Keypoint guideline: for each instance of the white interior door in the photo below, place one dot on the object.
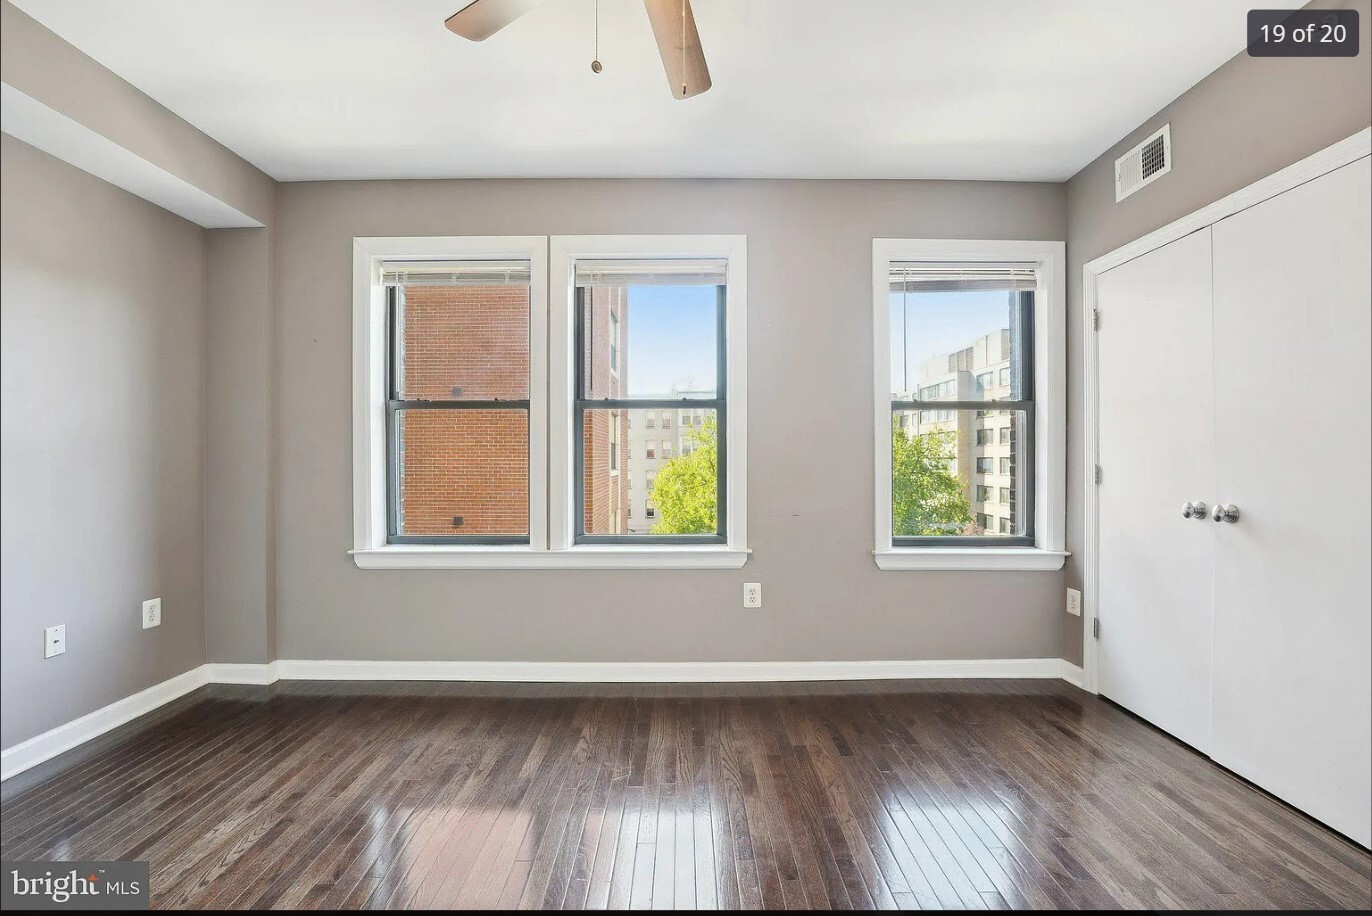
(1156, 453)
(1293, 616)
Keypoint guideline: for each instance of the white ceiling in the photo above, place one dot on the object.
(331, 89)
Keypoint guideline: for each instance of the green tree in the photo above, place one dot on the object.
(926, 499)
(686, 488)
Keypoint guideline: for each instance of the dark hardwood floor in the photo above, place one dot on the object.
(938, 794)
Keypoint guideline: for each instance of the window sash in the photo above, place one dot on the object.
(581, 404)
(395, 404)
(1024, 482)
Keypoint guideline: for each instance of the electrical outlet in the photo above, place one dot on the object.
(752, 594)
(152, 613)
(1074, 602)
(54, 640)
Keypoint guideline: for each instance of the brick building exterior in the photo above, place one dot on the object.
(472, 343)
(606, 432)
(465, 343)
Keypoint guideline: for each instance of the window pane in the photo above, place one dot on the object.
(460, 342)
(605, 481)
(660, 486)
(943, 483)
(463, 473)
(649, 342)
(959, 346)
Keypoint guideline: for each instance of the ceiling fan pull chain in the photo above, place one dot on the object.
(595, 60)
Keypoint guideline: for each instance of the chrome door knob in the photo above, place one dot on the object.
(1228, 513)
(1193, 510)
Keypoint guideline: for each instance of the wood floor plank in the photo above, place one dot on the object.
(979, 794)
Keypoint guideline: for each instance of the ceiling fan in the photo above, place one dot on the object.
(674, 26)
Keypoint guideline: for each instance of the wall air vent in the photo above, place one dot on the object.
(1146, 162)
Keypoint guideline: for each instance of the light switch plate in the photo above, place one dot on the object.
(752, 594)
(1074, 602)
(152, 613)
(54, 640)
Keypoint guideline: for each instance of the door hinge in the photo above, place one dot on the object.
(1097, 475)
(1095, 319)
(1095, 628)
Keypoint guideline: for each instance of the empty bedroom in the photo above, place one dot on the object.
(685, 454)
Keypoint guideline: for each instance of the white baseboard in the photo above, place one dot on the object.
(1072, 674)
(43, 747)
(219, 673)
(662, 672)
(30, 753)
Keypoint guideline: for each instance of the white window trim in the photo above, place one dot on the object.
(549, 382)
(563, 253)
(1050, 395)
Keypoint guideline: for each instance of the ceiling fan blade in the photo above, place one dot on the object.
(674, 26)
(481, 19)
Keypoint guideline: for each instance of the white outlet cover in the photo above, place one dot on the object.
(152, 613)
(752, 594)
(54, 640)
(1074, 602)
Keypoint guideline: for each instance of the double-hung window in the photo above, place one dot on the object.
(457, 401)
(674, 311)
(969, 340)
(502, 409)
(678, 306)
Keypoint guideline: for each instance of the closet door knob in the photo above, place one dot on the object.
(1193, 510)
(1228, 513)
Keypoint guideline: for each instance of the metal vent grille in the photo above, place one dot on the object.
(1145, 163)
(1154, 157)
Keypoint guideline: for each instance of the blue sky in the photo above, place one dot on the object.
(672, 333)
(941, 323)
(671, 339)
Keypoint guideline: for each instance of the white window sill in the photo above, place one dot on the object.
(970, 558)
(629, 556)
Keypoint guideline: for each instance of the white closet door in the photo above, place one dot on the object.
(1157, 453)
(1293, 617)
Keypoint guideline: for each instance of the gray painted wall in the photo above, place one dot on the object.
(810, 439)
(239, 541)
(1248, 119)
(102, 321)
(240, 551)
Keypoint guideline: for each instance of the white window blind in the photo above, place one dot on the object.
(455, 273)
(944, 277)
(657, 272)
